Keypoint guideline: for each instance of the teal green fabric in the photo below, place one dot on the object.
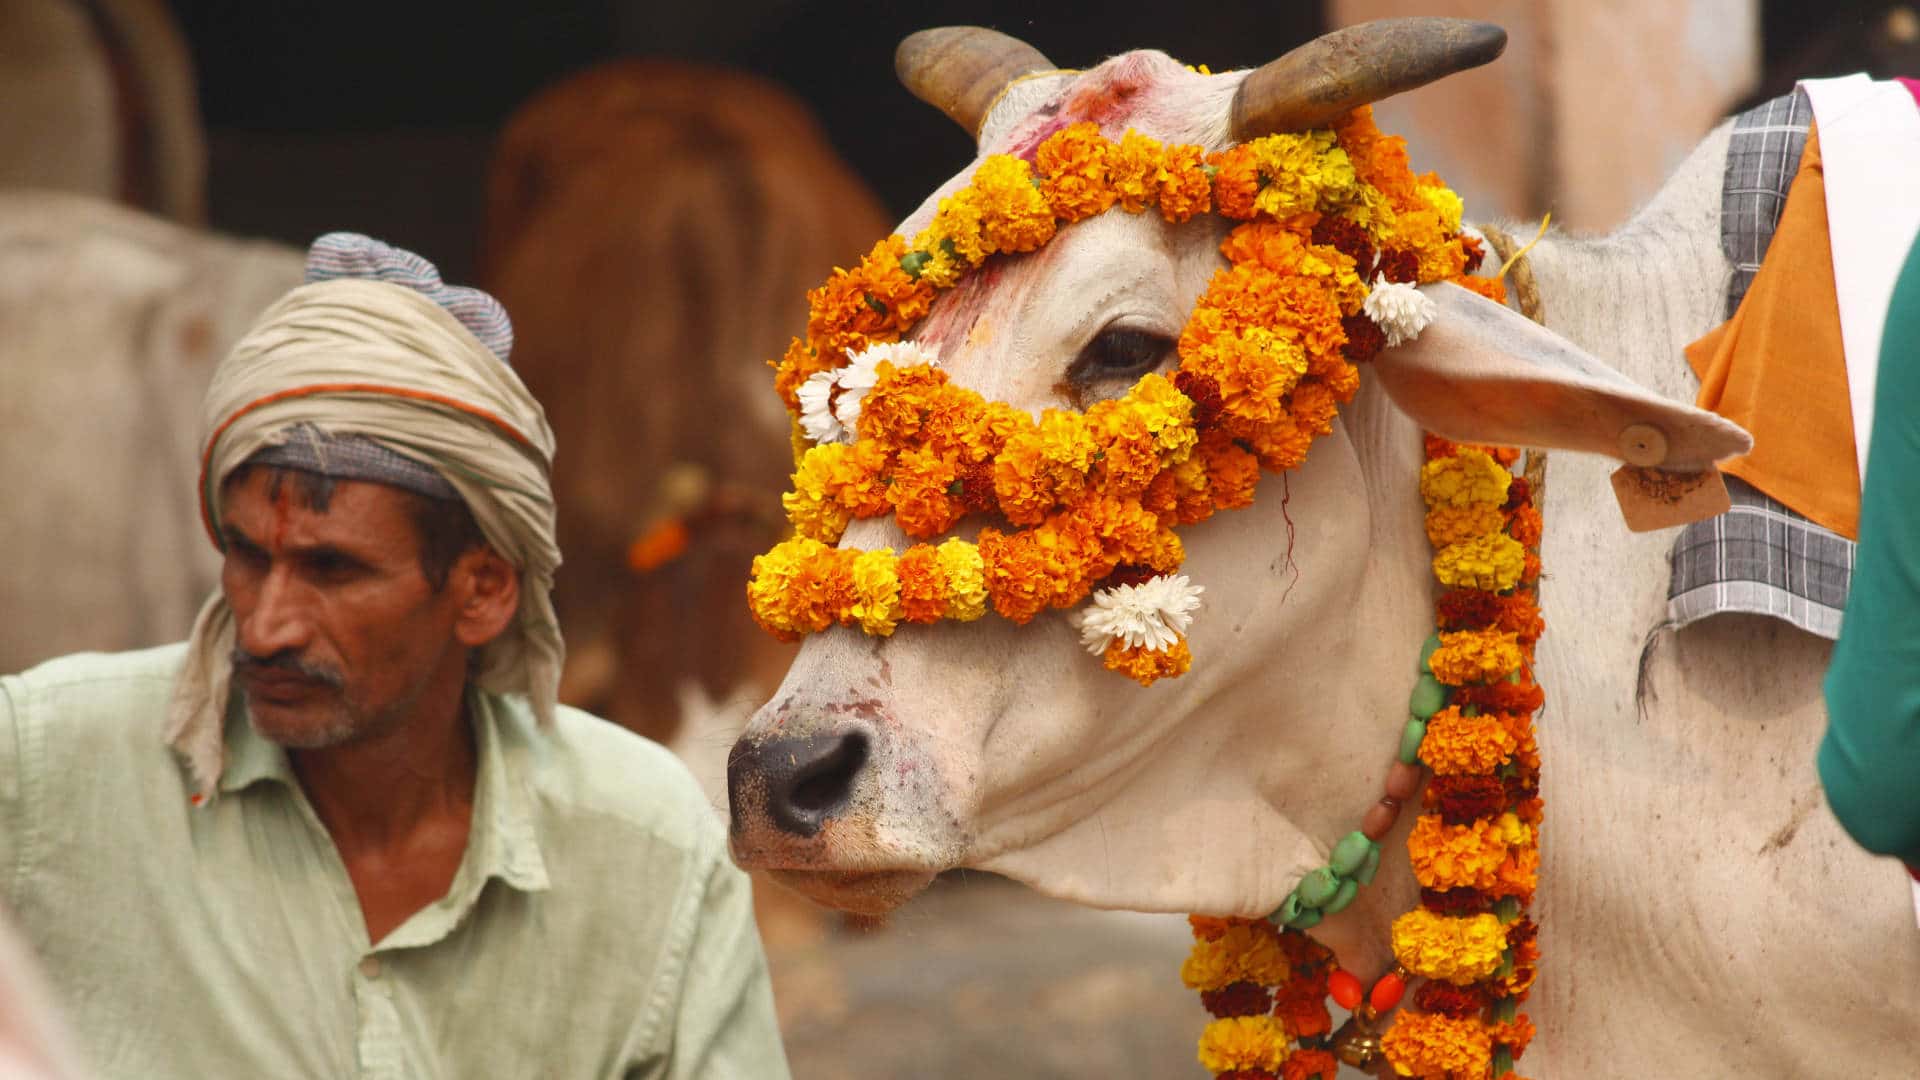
(595, 927)
(1870, 757)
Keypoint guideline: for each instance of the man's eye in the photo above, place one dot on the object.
(1118, 352)
(327, 565)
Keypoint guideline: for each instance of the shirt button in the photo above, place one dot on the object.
(370, 967)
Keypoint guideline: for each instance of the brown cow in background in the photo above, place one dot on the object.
(653, 229)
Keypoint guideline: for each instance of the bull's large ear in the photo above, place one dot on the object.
(1482, 373)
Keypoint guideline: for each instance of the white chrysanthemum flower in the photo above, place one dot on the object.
(816, 409)
(1400, 310)
(1153, 613)
(861, 373)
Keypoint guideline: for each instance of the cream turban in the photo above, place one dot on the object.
(388, 354)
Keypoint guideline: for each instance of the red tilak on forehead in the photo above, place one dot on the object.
(948, 324)
(1108, 96)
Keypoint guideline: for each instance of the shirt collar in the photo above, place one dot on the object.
(504, 841)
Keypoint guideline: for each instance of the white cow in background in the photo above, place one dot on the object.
(111, 323)
(1701, 912)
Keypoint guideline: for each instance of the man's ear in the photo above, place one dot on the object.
(488, 591)
(1482, 373)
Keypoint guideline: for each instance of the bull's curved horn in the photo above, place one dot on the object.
(960, 70)
(1314, 84)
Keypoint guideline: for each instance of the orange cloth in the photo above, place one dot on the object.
(1778, 367)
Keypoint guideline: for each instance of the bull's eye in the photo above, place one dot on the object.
(1119, 352)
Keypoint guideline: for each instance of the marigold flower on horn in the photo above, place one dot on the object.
(1473, 656)
(1303, 171)
(1243, 1042)
(1436, 1048)
(1459, 950)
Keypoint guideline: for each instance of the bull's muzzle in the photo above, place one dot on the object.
(798, 784)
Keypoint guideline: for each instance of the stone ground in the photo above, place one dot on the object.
(981, 977)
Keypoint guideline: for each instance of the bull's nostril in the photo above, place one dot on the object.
(821, 787)
(803, 781)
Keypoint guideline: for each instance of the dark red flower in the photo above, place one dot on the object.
(1522, 930)
(1364, 338)
(1449, 1000)
(1474, 251)
(1309, 1064)
(1348, 238)
(1401, 266)
(1131, 574)
(1462, 799)
(1522, 697)
(1455, 901)
(1522, 786)
(1237, 999)
(1519, 494)
(976, 488)
(1204, 390)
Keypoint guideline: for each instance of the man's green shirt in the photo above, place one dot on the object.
(595, 927)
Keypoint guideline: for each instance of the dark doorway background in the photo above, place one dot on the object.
(380, 116)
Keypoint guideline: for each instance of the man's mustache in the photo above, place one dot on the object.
(286, 662)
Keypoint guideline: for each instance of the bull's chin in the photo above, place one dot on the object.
(863, 892)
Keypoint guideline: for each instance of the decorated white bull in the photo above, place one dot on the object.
(1700, 913)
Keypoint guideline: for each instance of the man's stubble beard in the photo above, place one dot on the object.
(343, 721)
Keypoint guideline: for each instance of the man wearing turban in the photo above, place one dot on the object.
(345, 830)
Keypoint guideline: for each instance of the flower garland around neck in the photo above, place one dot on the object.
(1334, 233)
(1474, 847)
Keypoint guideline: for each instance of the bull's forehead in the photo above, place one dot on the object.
(1145, 90)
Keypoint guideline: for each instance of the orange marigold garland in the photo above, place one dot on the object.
(1475, 848)
(1334, 232)
(1267, 990)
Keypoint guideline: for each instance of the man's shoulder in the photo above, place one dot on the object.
(587, 767)
(87, 684)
